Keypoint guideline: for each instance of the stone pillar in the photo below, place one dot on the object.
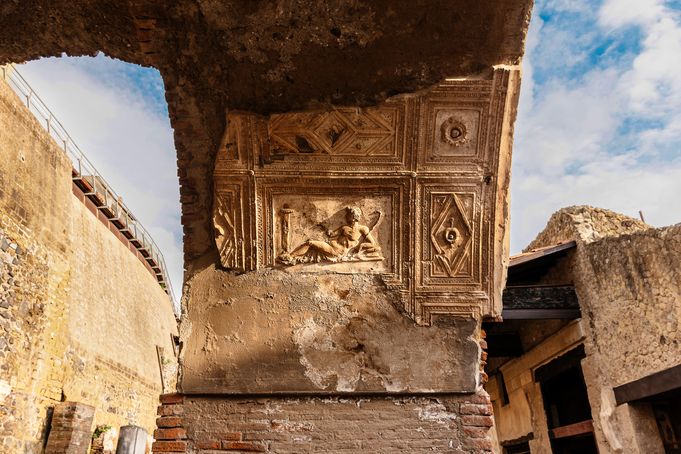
(71, 429)
(357, 251)
(170, 435)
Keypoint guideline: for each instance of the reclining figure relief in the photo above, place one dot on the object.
(352, 242)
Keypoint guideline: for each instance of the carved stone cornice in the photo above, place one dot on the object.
(427, 175)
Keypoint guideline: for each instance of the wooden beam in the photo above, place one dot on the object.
(539, 253)
(573, 430)
(649, 386)
(540, 314)
(540, 297)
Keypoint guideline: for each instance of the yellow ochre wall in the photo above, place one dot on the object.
(80, 315)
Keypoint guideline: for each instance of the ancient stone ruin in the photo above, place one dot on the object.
(587, 357)
(86, 328)
(344, 171)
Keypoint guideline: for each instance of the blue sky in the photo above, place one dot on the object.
(599, 120)
(600, 112)
(116, 113)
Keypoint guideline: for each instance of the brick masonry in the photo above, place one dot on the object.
(378, 424)
(71, 429)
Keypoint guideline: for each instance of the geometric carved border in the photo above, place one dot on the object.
(434, 155)
(451, 248)
(232, 222)
(397, 189)
(449, 245)
(473, 110)
(342, 138)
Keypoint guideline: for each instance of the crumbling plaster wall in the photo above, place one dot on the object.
(80, 315)
(281, 331)
(628, 282)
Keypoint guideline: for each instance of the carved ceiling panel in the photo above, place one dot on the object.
(413, 190)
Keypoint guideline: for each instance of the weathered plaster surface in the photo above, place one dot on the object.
(277, 331)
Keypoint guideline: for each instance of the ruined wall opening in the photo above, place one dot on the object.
(88, 204)
(415, 136)
(118, 117)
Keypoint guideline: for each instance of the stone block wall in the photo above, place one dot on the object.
(631, 287)
(376, 424)
(80, 315)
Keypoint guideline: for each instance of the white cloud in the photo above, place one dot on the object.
(654, 82)
(567, 126)
(126, 136)
(619, 13)
(608, 137)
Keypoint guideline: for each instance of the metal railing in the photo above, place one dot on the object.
(94, 186)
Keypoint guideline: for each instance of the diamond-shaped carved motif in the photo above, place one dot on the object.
(450, 234)
(350, 132)
(430, 162)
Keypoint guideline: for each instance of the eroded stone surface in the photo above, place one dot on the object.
(283, 331)
(585, 224)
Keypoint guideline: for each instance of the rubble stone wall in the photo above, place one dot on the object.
(628, 279)
(630, 287)
(80, 315)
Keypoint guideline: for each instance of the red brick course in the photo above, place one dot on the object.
(456, 423)
(242, 446)
(169, 446)
(172, 398)
(476, 409)
(177, 433)
(477, 421)
(170, 410)
(169, 421)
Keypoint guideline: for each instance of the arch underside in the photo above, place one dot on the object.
(265, 57)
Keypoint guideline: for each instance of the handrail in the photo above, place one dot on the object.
(85, 171)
